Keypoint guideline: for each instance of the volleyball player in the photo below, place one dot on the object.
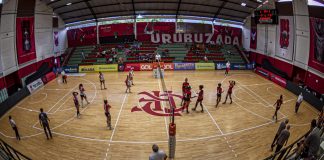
(128, 84)
(278, 105)
(107, 113)
(185, 84)
(82, 94)
(219, 93)
(76, 103)
(102, 80)
(229, 91)
(186, 98)
(131, 75)
(200, 98)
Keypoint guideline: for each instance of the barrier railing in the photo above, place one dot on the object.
(242, 54)
(286, 152)
(68, 54)
(8, 152)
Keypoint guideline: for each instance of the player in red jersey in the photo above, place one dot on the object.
(82, 94)
(185, 84)
(278, 105)
(229, 91)
(200, 98)
(186, 98)
(76, 103)
(107, 113)
(219, 93)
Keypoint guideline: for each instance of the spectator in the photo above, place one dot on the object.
(157, 57)
(82, 54)
(313, 125)
(312, 142)
(157, 154)
(283, 138)
(282, 126)
(205, 58)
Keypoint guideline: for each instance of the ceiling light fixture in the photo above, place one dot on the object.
(52, 0)
(68, 4)
(243, 4)
(139, 16)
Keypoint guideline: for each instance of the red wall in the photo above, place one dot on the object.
(283, 66)
(311, 82)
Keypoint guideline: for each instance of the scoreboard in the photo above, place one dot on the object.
(267, 16)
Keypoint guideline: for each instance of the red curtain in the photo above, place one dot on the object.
(116, 30)
(144, 28)
(82, 36)
(25, 41)
(316, 50)
(235, 34)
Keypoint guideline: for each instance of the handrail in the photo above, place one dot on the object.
(11, 152)
(285, 152)
(242, 54)
(68, 55)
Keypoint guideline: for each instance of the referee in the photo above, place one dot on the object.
(14, 127)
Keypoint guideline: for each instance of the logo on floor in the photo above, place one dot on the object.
(152, 103)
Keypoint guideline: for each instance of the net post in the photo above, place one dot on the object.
(172, 136)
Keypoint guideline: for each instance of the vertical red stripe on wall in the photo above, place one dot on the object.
(315, 82)
(2, 83)
(23, 72)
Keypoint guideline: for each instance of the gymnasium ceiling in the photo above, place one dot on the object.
(80, 10)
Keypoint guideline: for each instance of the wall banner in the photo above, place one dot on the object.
(87, 69)
(316, 50)
(32, 87)
(205, 66)
(25, 41)
(285, 34)
(184, 66)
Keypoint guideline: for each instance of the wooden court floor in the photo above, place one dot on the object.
(242, 130)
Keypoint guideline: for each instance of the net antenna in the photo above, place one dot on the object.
(172, 125)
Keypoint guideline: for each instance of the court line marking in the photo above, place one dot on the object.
(263, 100)
(214, 121)
(257, 102)
(163, 105)
(115, 127)
(68, 93)
(177, 140)
(34, 102)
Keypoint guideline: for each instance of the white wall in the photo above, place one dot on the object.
(62, 37)
(246, 33)
(302, 37)
(271, 41)
(8, 37)
(43, 31)
(261, 38)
